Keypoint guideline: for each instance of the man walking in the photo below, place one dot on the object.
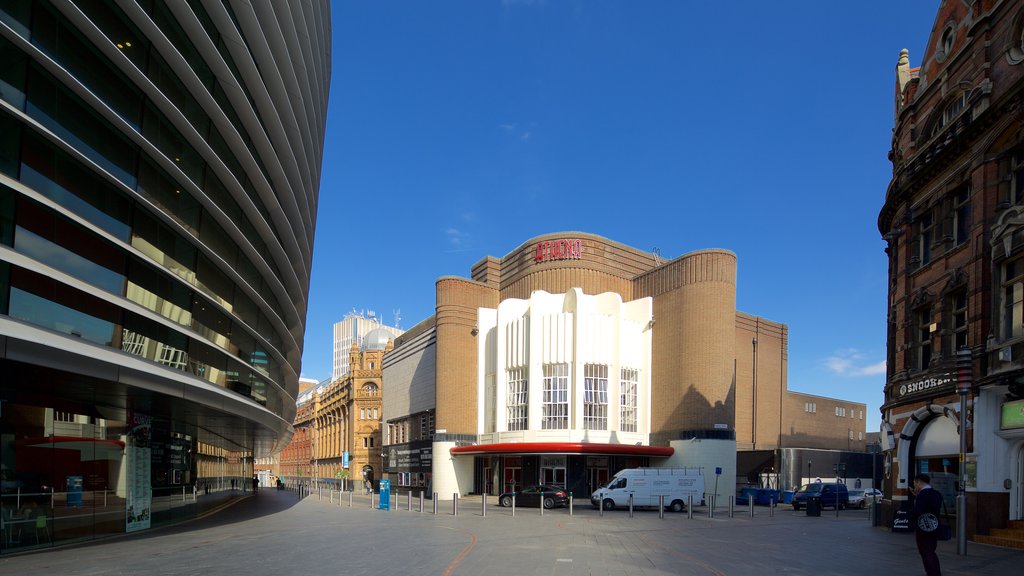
(927, 503)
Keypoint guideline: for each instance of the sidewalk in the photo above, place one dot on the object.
(276, 532)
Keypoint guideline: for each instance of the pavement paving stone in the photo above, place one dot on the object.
(276, 533)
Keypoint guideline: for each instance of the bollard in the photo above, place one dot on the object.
(483, 505)
(631, 505)
(661, 507)
(750, 500)
(711, 508)
(435, 503)
(570, 503)
(421, 501)
(837, 505)
(513, 504)
(732, 506)
(350, 493)
(455, 504)
(771, 507)
(600, 507)
(371, 500)
(689, 506)
(330, 496)
(409, 503)
(542, 504)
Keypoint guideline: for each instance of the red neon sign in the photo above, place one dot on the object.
(563, 249)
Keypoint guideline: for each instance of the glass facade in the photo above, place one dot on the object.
(155, 244)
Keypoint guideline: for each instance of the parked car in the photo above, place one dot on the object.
(549, 496)
(831, 494)
(861, 498)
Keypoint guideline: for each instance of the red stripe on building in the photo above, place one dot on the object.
(564, 448)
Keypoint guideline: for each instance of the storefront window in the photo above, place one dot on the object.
(936, 450)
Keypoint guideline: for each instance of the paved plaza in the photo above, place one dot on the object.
(278, 534)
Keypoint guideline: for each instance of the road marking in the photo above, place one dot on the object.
(462, 555)
(563, 560)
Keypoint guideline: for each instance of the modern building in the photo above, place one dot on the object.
(953, 219)
(575, 356)
(159, 171)
(351, 331)
(337, 424)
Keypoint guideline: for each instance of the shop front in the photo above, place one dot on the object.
(576, 467)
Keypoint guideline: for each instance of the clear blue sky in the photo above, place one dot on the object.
(458, 130)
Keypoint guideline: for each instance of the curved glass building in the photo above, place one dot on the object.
(159, 170)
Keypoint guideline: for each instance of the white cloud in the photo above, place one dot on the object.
(456, 237)
(850, 363)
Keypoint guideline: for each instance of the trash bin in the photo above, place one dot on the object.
(814, 506)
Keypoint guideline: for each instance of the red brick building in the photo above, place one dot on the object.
(954, 222)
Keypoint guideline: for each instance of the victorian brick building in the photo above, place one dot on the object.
(337, 427)
(953, 219)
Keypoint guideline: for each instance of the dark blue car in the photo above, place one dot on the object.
(831, 494)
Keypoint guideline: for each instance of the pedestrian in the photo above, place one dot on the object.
(927, 504)
(255, 484)
(368, 486)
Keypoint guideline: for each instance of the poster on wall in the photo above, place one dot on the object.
(140, 488)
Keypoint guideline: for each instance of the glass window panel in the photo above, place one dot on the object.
(62, 179)
(10, 143)
(41, 301)
(177, 203)
(52, 34)
(122, 33)
(68, 117)
(12, 74)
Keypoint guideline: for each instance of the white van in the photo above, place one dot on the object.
(647, 484)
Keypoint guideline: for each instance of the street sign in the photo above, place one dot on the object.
(385, 495)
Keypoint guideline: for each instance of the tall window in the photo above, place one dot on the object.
(923, 242)
(950, 113)
(961, 214)
(958, 320)
(1013, 299)
(1018, 177)
(595, 397)
(923, 337)
(628, 381)
(517, 400)
(555, 413)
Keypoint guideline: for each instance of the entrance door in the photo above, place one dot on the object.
(513, 479)
(597, 477)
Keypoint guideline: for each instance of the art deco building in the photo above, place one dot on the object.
(575, 356)
(159, 170)
(953, 218)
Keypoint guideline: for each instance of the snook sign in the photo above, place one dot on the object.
(932, 384)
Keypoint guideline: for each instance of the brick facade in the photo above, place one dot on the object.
(952, 218)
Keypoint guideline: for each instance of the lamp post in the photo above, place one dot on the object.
(808, 471)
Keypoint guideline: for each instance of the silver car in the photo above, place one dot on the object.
(861, 498)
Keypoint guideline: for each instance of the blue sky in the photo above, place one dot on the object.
(458, 130)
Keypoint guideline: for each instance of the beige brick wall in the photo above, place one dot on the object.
(456, 394)
(823, 428)
(760, 399)
(693, 343)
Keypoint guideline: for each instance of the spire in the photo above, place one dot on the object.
(903, 71)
